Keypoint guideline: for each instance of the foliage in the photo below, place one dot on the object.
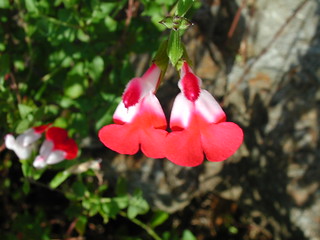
(66, 62)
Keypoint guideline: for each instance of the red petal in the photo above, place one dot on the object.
(56, 134)
(184, 148)
(220, 141)
(42, 128)
(152, 142)
(123, 139)
(69, 146)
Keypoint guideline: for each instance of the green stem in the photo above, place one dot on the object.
(147, 228)
(59, 22)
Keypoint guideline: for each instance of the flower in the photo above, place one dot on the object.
(57, 147)
(139, 121)
(23, 144)
(199, 126)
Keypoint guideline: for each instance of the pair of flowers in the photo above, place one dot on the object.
(197, 122)
(56, 147)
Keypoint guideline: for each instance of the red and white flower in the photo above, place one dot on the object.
(56, 147)
(139, 121)
(24, 143)
(199, 126)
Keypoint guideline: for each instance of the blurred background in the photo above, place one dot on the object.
(68, 61)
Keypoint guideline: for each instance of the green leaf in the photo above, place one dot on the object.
(137, 205)
(110, 209)
(75, 86)
(26, 187)
(110, 24)
(187, 235)
(175, 48)
(31, 6)
(122, 201)
(81, 224)
(5, 64)
(161, 58)
(183, 7)
(82, 36)
(121, 188)
(22, 126)
(4, 4)
(24, 110)
(158, 218)
(96, 68)
(79, 189)
(168, 22)
(26, 168)
(59, 178)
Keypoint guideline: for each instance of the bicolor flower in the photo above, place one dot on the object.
(139, 121)
(24, 143)
(199, 125)
(56, 147)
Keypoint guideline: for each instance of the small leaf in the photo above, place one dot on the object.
(158, 218)
(96, 68)
(81, 224)
(26, 187)
(79, 189)
(121, 188)
(26, 168)
(168, 22)
(31, 6)
(4, 4)
(111, 209)
(82, 36)
(58, 179)
(24, 110)
(122, 201)
(175, 48)
(110, 24)
(22, 126)
(137, 205)
(183, 7)
(188, 235)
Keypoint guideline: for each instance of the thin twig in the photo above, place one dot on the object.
(236, 19)
(70, 228)
(267, 47)
(14, 87)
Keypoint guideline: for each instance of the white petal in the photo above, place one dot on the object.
(20, 151)
(209, 108)
(55, 157)
(151, 77)
(151, 101)
(39, 162)
(124, 114)
(46, 148)
(10, 141)
(181, 112)
(28, 137)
